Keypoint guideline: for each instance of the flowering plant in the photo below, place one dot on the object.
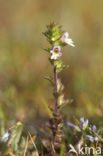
(57, 39)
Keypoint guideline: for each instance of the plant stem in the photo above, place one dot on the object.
(56, 103)
(55, 89)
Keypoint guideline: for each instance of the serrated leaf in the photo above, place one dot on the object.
(53, 33)
(59, 65)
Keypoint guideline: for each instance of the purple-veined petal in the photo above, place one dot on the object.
(82, 119)
(94, 128)
(73, 126)
(57, 48)
(88, 137)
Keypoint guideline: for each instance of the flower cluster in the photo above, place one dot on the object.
(95, 134)
(56, 51)
(82, 126)
(57, 39)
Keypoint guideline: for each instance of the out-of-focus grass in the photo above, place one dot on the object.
(23, 63)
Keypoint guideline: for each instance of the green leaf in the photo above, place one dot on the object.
(16, 136)
(59, 65)
(47, 49)
(53, 34)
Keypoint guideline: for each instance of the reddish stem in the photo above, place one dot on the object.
(56, 90)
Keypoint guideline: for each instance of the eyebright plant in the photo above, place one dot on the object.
(57, 39)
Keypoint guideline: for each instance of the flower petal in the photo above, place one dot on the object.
(82, 119)
(5, 137)
(53, 57)
(94, 128)
(88, 137)
(51, 51)
(86, 123)
(73, 126)
(60, 54)
(69, 42)
(66, 35)
(57, 47)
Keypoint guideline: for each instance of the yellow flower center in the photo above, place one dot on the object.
(67, 41)
(55, 53)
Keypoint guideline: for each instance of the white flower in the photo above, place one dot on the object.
(65, 38)
(5, 137)
(55, 52)
(83, 124)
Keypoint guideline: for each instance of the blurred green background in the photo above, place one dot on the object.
(23, 64)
